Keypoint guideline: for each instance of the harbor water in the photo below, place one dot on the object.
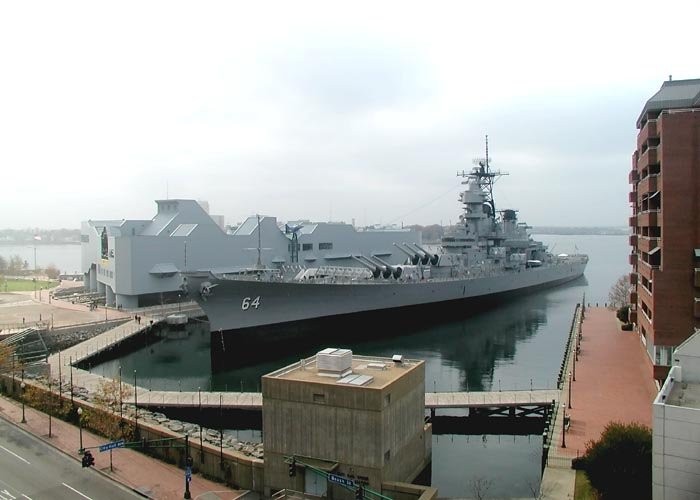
(515, 345)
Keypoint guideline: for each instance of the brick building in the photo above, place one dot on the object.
(665, 221)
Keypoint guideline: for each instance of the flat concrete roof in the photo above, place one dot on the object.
(684, 394)
(361, 365)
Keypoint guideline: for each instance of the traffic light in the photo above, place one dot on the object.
(293, 467)
(359, 493)
(88, 460)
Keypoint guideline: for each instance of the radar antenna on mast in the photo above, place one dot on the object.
(485, 178)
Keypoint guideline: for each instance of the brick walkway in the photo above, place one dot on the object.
(613, 381)
(148, 476)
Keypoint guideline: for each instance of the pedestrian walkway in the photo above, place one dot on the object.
(613, 380)
(147, 476)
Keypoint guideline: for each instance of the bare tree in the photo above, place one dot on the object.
(110, 423)
(52, 271)
(480, 487)
(620, 292)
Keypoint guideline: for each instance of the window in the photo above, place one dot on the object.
(325, 246)
(307, 246)
(663, 355)
(387, 456)
(319, 398)
(387, 400)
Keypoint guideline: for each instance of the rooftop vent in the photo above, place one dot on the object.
(332, 362)
(397, 358)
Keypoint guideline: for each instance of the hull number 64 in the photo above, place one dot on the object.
(249, 302)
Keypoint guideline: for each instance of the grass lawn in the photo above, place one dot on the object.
(24, 285)
(583, 489)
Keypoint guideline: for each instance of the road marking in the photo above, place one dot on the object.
(73, 489)
(25, 496)
(15, 454)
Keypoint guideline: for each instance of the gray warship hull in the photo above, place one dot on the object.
(242, 304)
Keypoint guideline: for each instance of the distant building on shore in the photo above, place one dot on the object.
(136, 263)
(665, 221)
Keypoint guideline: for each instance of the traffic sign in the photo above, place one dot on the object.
(112, 445)
(341, 480)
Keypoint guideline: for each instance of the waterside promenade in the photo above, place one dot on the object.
(613, 382)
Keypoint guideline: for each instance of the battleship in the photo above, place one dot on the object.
(488, 254)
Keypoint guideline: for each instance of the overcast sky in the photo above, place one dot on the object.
(328, 110)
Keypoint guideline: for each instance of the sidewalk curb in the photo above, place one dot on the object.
(47, 441)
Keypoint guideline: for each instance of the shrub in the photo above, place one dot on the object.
(623, 314)
(618, 465)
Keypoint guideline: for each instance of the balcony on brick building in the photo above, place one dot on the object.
(634, 176)
(645, 270)
(649, 184)
(648, 157)
(647, 244)
(633, 278)
(633, 197)
(649, 131)
(633, 240)
(633, 221)
(633, 259)
(697, 277)
(633, 297)
(647, 218)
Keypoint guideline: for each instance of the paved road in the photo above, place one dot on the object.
(31, 469)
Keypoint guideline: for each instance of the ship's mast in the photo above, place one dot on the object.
(484, 177)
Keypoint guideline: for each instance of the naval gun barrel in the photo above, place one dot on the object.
(420, 253)
(376, 271)
(414, 257)
(389, 270)
(434, 258)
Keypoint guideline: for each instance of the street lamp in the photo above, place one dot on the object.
(201, 448)
(569, 390)
(136, 407)
(22, 386)
(80, 428)
(563, 426)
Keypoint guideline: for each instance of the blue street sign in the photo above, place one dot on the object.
(188, 474)
(341, 480)
(112, 445)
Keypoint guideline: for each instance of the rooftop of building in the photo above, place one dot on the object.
(684, 394)
(365, 371)
(673, 94)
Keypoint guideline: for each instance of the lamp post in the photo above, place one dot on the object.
(70, 363)
(22, 386)
(50, 405)
(563, 426)
(136, 406)
(121, 414)
(201, 448)
(569, 390)
(80, 428)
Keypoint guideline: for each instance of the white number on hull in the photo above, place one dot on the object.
(248, 303)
